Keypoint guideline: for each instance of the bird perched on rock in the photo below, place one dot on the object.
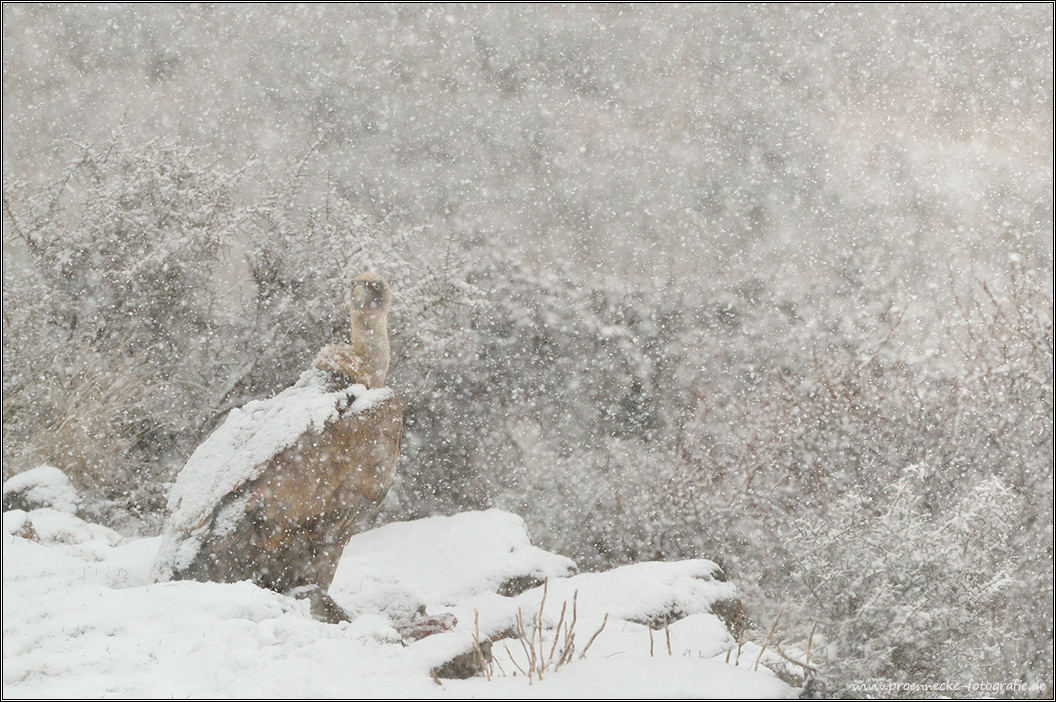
(275, 493)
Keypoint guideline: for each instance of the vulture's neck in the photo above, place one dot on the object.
(370, 338)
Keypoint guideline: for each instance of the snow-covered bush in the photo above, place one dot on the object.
(144, 298)
(110, 287)
(904, 596)
(748, 434)
(536, 352)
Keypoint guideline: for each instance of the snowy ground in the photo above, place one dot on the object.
(82, 618)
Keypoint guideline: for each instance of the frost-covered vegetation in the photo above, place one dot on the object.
(766, 285)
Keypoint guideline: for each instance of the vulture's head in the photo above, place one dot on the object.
(370, 293)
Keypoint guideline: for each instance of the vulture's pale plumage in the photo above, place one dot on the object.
(275, 493)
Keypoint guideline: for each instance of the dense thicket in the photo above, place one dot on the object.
(768, 285)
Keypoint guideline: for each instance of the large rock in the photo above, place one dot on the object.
(282, 521)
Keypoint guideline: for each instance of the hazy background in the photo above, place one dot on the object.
(659, 142)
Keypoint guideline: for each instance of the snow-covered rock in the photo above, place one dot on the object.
(443, 560)
(83, 618)
(205, 503)
(43, 486)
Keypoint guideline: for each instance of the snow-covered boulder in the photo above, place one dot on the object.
(275, 492)
(43, 486)
(83, 618)
(439, 561)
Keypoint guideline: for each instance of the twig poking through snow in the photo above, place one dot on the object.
(767, 639)
(587, 647)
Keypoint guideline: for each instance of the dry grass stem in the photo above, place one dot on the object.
(766, 641)
(810, 640)
(587, 647)
(531, 636)
(557, 632)
(514, 661)
(482, 661)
